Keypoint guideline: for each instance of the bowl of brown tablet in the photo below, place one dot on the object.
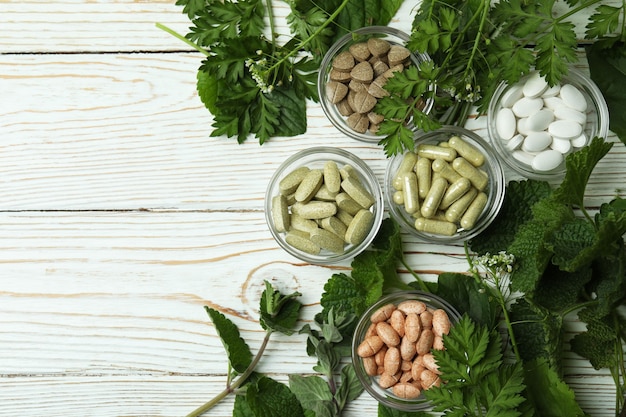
(353, 74)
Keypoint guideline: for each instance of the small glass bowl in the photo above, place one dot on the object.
(316, 158)
(495, 188)
(597, 123)
(394, 37)
(370, 383)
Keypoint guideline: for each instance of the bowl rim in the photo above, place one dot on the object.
(497, 187)
(573, 76)
(322, 154)
(368, 382)
(336, 119)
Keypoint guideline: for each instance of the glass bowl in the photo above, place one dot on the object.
(346, 221)
(337, 113)
(543, 157)
(452, 218)
(372, 383)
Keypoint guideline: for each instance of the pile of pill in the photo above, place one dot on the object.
(357, 78)
(540, 124)
(323, 208)
(397, 347)
(442, 186)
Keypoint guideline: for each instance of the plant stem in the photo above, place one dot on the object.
(242, 378)
(305, 42)
(182, 38)
(412, 272)
(483, 18)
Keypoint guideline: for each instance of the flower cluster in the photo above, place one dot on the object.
(258, 71)
(494, 270)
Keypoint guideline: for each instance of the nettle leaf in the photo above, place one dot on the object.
(239, 355)
(549, 394)
(207, 90)
(382, 11)
(293, 120)
(597, 344)
(519, 198)
(269, 398)
(573, 244)
(341, 293)
(579, 166)
(558, 289)
(469, 297)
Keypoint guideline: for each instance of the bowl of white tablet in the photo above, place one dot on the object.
(533, 125)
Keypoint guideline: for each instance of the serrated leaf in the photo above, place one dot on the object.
(284, 316)
(207, 90)
(579, 166)
(597, 344)
(292, 117)
(269, 398)
(384, 411)
(342, 294)
(239, 355)
(309, 390)
(241, 408)
(603, 21)
(548, 393)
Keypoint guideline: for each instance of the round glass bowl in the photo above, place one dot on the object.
(403, 300)
(318, 225)
(445, 219)
(533, 127)
(354, 47)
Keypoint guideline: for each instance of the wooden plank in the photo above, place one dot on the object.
(96, 306)
(85, 132)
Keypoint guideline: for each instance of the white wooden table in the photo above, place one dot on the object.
(120, 218)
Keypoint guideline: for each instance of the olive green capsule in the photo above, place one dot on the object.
(457, 209)
(454, 192)
(359, 227)
(474, 211)
(358, 192)
(444, 169)
(423, 170)
(332, 177)
(437, 227)
(468, 151)
(410, 192)
(407, 164)
(301, 241)
(433, 199)
(327, 240)
(309, 185)
(436, 152)
(280, 213)
(398, 197)
(470, 172)
(290, 183)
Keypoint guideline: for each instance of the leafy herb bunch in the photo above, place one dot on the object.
(253, 81)
(476, 44)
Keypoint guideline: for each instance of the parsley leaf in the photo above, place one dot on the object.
(603, 21)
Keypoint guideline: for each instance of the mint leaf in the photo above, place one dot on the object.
(268, 398)
(241, 408)
(384, 411)
(279, 312)
(550, 396)
(341, 293)
(239, 355)
(579, 166)
(309, 390)
(350, 387)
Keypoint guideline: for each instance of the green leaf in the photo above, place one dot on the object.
(555, 49)
(268, 398)
(558, 290)
(207, 90)
(603, 21)
(550, 396)
(309, 390)
(192, 7)
(519, 198)
(279, 312)
(350, 387)
(239, 355)
(292, 117)
(573, 244)
(341, 293)
(469, 297)
(504, 391)
(579, 166)
(241, 408)
(382, 11)
(607, 67)
(598, 344)
(384, 411)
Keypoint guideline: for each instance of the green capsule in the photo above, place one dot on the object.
(467, 151)
(469, 171)
(444, 169)
(423, 170)
(410, 192)
(433, 199)
(454, 192)
(457, 209)
(436, 152)
(475, 209)
(437, 227)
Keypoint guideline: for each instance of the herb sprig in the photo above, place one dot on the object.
(255, 85)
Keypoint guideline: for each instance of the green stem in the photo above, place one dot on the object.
(479, 33)
(577, 9)
(242, 378)
(305, 42)
(421, 283)
(182, 38)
